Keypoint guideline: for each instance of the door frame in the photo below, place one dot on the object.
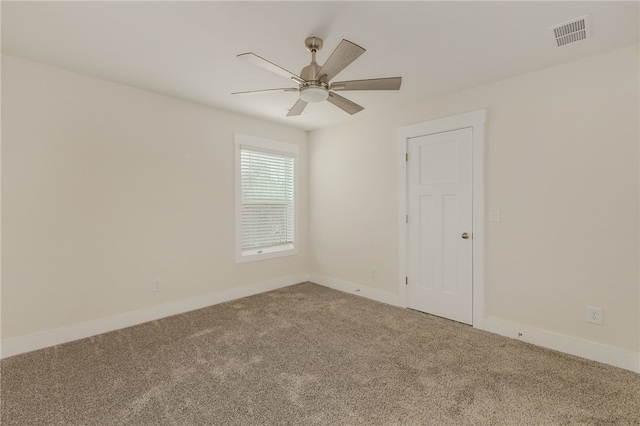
(476, 121)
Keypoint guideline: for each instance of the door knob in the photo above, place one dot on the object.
(465, 235)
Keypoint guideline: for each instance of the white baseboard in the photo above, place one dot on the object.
(56, 336)
(617, 357)
(610, 355)
(347, 287)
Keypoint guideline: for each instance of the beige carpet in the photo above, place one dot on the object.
(308, 355)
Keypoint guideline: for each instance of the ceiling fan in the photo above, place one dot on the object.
(314, 81)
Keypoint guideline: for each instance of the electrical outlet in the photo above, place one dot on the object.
(374, 273)
(594, 315)
(156, 286)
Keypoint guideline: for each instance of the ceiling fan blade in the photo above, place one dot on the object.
(270, 66)
(345, 53)
(344, 103)
(297, 108)
(265, 92)
(390, 83)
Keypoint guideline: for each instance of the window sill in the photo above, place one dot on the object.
(265, 253)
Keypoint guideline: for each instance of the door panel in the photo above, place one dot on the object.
(440, 211)
(438, 163)
(449, 246)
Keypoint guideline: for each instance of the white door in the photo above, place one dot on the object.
(439, 269)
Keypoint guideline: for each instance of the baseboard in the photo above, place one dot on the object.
(348, 287)
(57, 336)
(610, 355)
(617, 357)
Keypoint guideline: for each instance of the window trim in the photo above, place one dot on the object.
(270, 147)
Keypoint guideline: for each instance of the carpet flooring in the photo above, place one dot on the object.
(308, 355)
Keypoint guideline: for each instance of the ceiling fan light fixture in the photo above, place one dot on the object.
(314, 94)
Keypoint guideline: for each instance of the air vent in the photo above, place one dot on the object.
(571, 31)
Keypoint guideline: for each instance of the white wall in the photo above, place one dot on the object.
(106, 188)
(562, 156)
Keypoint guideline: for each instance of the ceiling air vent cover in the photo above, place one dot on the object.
(571, 31)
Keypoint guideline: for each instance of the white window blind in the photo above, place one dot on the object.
(267, 201)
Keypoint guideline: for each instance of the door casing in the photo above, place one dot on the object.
(476, 121)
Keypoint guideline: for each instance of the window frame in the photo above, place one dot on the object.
(267, 146)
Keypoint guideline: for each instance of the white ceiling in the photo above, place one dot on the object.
(188, 49)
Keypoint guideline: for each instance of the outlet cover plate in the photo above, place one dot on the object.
(594, 315)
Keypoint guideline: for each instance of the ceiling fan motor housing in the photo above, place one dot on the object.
(310, 72)
(313, 90)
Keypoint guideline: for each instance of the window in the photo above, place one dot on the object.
(266, 202)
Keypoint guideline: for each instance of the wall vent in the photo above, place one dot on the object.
(571, 31)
